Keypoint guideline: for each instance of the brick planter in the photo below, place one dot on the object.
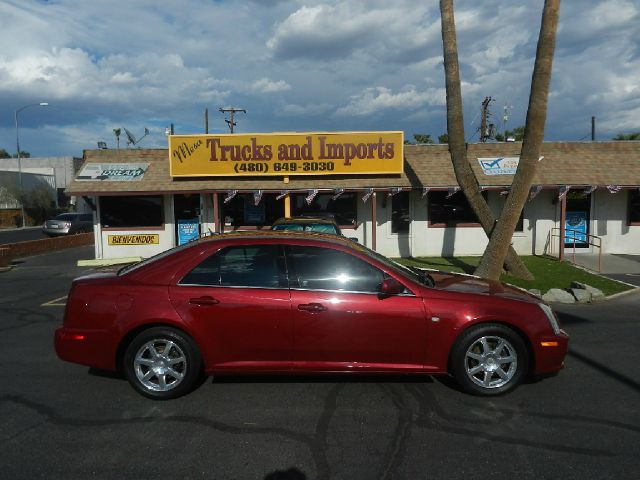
(32, 247)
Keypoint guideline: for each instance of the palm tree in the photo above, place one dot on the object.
(500, 240)
(457, 146)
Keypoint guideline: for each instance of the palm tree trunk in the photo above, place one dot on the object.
(457, 147)
(500, 240)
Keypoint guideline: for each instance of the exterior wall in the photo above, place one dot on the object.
(541, 215)
(166, 241)
(611, 224)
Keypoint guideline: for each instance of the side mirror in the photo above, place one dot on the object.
(391, 286)
(353, 239)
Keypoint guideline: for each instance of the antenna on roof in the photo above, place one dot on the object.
(131, 139)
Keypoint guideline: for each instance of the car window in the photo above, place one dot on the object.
(288, 227)
(242, 266)
(320, 227)
(318, 268)
(86, 217)
(66, 216)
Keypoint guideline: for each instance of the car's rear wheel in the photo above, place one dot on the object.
(489, 359)
(162, 363)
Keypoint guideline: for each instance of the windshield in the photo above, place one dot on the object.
(413, 273)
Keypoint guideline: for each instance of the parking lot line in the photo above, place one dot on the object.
(56, 302)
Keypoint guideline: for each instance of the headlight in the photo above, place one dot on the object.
(553, 321)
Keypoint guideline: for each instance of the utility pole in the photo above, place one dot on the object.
(206, 120)
(485, 133)
(593, 129)
(232, 111)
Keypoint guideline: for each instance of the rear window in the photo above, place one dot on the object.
(66, 216)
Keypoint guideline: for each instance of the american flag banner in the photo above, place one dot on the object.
(590, 189)
(257, 196)
(425, 190)
(337, 193)
(394, 191)
(451, 191)
(312, 194)
(230, 195)
(283, 193)
(562, 192)
(535, 190)
(614, 188)
(366, 196)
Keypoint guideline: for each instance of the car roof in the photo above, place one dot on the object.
(279, 235)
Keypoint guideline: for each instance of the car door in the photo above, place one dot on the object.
(238, 302)
(341, 322)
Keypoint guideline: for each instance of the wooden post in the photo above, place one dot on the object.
(216, 214)
(374, 221)
(563, 221)
(287, 201)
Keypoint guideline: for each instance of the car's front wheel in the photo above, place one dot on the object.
(162, 363)
(489, 359)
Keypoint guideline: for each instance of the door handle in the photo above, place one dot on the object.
(312, 307)
(206, 300)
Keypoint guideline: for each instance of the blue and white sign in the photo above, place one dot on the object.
(499, 165)
(575, 227)
(188, 230)
(115, 172)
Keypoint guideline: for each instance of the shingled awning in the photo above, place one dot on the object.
(564, 163)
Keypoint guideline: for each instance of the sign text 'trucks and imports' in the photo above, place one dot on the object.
(285, 154)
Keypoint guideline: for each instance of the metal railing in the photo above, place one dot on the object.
(575, 237)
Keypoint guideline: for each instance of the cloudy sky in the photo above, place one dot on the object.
(301, 65)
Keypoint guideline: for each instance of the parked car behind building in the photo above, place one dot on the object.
(68, 223)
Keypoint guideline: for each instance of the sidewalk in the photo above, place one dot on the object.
(625, 268)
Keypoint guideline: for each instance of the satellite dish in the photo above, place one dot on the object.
(131, 139)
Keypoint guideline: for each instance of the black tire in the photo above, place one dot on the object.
(489, 359)
(158, 373)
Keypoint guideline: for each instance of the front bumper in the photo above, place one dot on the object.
(550, 352)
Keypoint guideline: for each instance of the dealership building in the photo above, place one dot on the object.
(400, 200)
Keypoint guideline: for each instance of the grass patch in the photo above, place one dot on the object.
(548, 272)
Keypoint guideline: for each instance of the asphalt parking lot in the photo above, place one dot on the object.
(65, 421)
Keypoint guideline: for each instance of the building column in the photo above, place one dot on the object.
(374, 221)
(563, 221)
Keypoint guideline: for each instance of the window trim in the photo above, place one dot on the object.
(631, 223)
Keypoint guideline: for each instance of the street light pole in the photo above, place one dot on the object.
(41, 104)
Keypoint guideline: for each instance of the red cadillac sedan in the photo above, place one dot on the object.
(288, 302)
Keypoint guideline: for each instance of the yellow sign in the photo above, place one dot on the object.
(286, 154)
(134, 239)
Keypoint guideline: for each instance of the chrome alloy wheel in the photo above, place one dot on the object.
(160, 365)
(491, 362)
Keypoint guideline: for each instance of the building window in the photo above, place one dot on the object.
(241, 211)
(400, 219)
(343, 209)
(634, 207)
(452, 211)
(132, 212)
(520, 224)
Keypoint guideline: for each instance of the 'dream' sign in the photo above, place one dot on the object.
(285, 154)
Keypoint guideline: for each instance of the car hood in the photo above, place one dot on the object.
(453, 282)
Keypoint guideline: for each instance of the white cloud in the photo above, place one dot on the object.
(378, 99)
(302, 64)
(264, 85)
